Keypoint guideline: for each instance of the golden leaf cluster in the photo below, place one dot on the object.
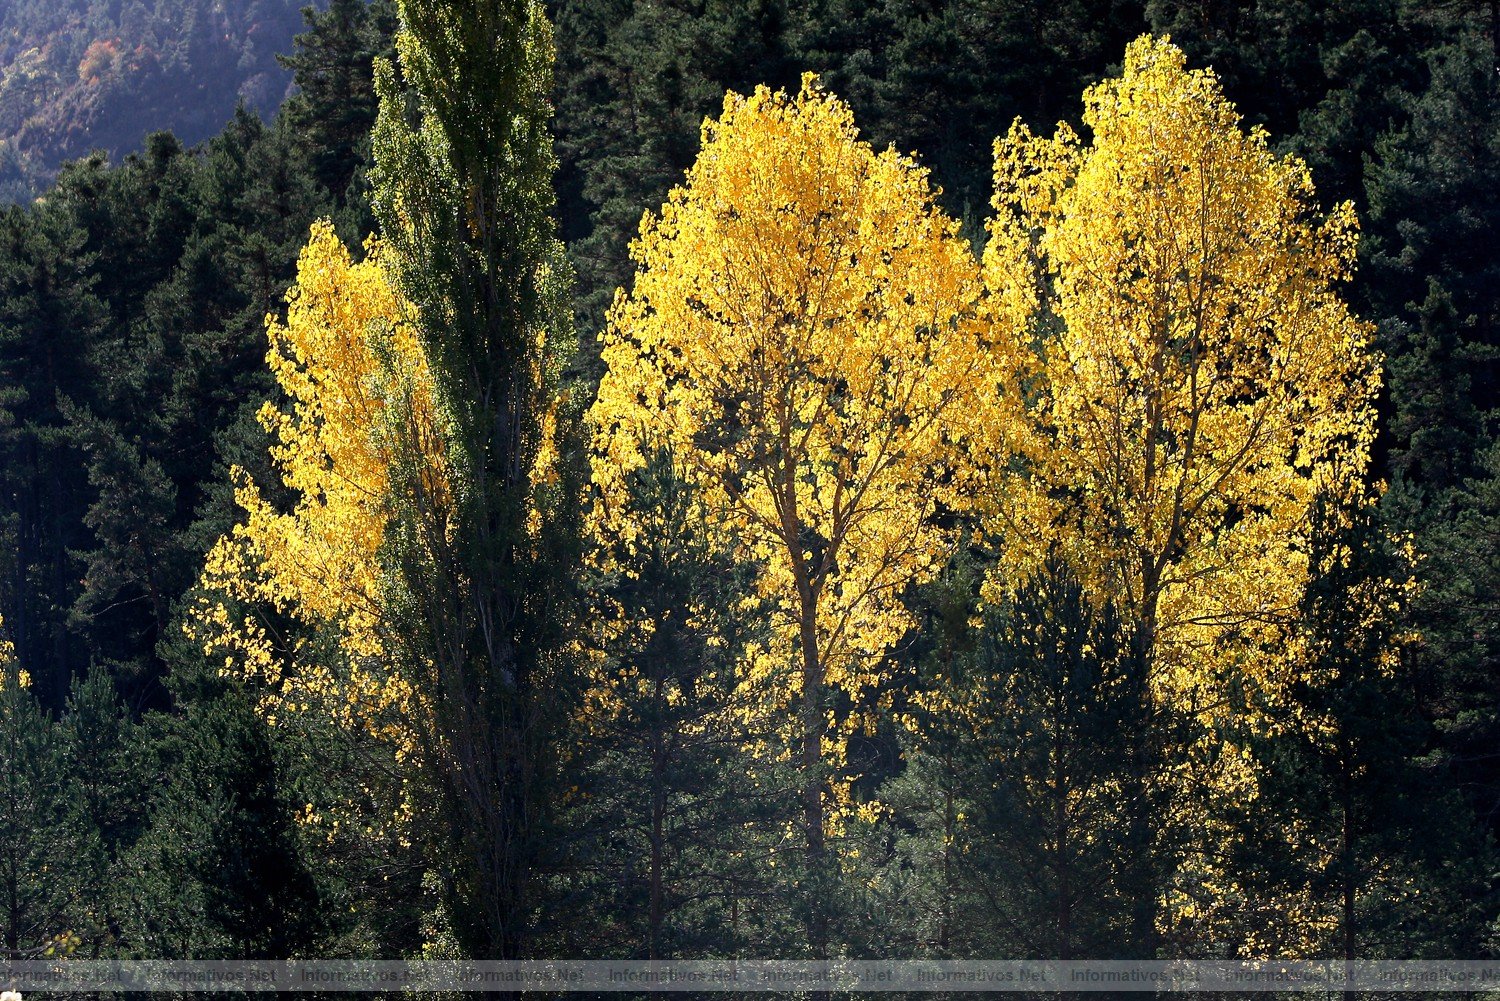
(795, 339)
(1150, 374)
(355, 379)
(10, 671)
(1183, 378)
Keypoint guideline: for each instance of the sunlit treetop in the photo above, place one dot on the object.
(795, 339)
(1186, 377)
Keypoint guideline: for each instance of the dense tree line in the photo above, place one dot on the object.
(1011, 753)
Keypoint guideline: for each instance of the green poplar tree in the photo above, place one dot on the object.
(482, 578)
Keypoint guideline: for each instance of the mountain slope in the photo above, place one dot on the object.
(78, 75)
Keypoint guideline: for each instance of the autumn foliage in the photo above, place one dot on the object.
(1181, 381)
(798, 338)
(1144, 389)
(795, 341)
(979, 497)
(356, 385)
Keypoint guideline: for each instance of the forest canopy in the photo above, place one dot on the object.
(635, 479)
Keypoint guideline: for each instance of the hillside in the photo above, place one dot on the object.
(80, 75)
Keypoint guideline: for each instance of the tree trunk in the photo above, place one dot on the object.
(1141, 828)
(812, 782)
(1346, 855)
(658, 824)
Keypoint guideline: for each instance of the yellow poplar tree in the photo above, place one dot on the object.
(795, 340)
(357, 388)
(1183, 378)
(1179, 383)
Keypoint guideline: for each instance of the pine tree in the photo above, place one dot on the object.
(133, 571)
(1456, 611)
(50, 319)
(220, 870)
(1356, 844)
(1433, 266)
(1069, 748)
(1435, 428)
(1433, 214)
(106, 754)
(333, 68)
(51, 862)
(666, 724)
